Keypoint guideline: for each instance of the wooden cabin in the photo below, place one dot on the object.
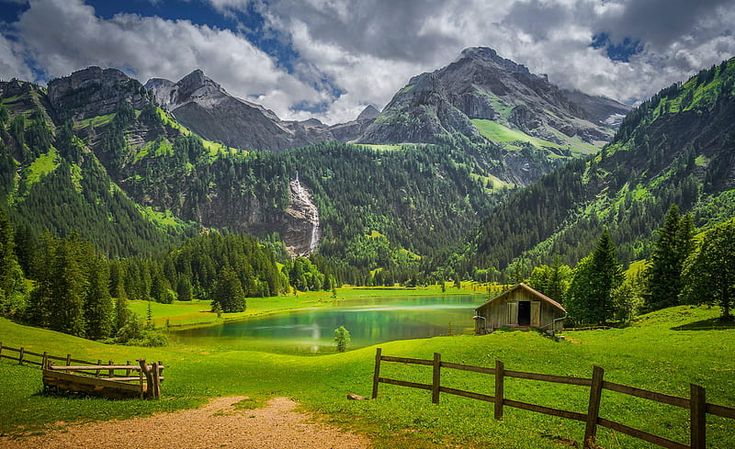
(520, 307)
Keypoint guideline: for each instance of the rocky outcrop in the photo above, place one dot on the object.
(92, 92)
(302, 231)
(347, 132)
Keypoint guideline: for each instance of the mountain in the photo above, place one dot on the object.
(94, 154)
(676, 148)
(483, 96)
(203, 106)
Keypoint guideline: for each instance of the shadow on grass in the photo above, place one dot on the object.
(707, 325)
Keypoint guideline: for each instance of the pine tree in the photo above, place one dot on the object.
(342, 338)
(121, 312)
(595, 279)
(184, 289)
(228, 292)
(98, 310)
(68, 291)
(11, 276)
(673, 246)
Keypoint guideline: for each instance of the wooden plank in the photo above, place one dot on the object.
(409, 360)
(719, 410)
(93, 367)
(33, 353)
(8, 348)
(547, 410)
(376, 373)
(87, 380)
(476, 369)
(550, 378)
(156, 382)
(645, 394)
(33, 362)
(593, 409)
(436, 378)
(404, 383)
(128, 378)
(56, 357)
(645, 436)
(468, 394)
(499, 380)
(11, 358)
(697, 417)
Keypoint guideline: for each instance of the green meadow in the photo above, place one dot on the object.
(663, 351)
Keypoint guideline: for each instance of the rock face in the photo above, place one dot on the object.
(347, 132)
(302, 227)
(482, 85)
(206, 108)
(94, 91)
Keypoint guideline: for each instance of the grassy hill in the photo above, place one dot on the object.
(663, 351)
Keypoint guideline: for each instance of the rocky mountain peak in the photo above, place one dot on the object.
(369, 113)
(94, 91)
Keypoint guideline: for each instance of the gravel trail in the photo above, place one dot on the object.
(217, 424)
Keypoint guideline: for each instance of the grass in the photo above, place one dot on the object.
(382, 146)
(42, 166)
(96, 121)
(651, 354)
(165, 220)
(498, 133)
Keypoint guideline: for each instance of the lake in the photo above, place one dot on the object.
(369, 321)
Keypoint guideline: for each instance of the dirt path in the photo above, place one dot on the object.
(218, 424)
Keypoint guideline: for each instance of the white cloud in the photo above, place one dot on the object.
(369, 49)
(65, 35)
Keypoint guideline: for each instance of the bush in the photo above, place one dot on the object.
(342, 338)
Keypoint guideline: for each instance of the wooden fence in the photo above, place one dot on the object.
(92, 377)
(696, 402)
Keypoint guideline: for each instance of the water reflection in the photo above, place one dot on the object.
(369, 322)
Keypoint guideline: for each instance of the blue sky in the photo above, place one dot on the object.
(331, 58)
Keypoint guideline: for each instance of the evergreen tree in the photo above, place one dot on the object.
(342, 338)
(11, 276)
(595, 278)
(709, 274)
(228, 293)
(98, 310)
(68, 291)
(122, 314)
(673, 245)
(184, 289)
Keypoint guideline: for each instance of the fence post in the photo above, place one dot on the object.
(127, 371)
(20, 355)
(376, 373)
(437, 378)
(156, 385)
(111, 373)
(148, 378)
(499, 380)
(160, 373)
(44, 361)
(97, 372)
(1, 350)
(698, 417)
(68, 359)
(593, 410)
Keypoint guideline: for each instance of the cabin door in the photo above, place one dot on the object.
(524, 313)
(536, 314)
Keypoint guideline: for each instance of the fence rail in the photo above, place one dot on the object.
(126, 373)
(696, 402)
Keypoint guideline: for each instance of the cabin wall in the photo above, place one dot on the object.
(503, 312)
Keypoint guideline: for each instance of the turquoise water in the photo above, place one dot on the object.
(369, 322)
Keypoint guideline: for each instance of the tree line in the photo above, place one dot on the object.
(681, 270)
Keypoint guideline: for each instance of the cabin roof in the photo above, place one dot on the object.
(530, 290)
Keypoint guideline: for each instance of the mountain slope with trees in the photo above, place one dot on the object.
(676, 148)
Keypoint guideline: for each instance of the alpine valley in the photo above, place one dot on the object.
(483, 223)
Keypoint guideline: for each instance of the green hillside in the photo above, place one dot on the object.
(676, 148)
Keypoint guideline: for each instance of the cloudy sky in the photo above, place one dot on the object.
(330, 58)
